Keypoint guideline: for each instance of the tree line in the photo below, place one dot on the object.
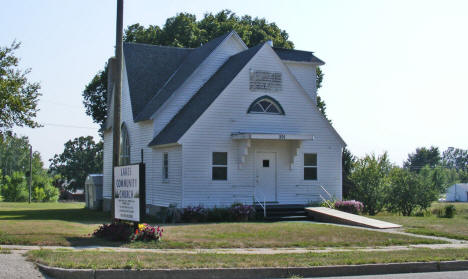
(381, 185)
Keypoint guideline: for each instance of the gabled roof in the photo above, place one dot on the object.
(297, 55)
(195, 107)
(148, 68)
(189, 64)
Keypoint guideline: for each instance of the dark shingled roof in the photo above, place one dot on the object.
(179, 76)
(148, 69)
(297, 55)
(190, 113)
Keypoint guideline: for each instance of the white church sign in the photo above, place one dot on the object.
(127, 192)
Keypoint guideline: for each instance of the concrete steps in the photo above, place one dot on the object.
(291, 212)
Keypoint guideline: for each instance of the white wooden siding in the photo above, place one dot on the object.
(166, 192)
(227, 114)
(306, 75)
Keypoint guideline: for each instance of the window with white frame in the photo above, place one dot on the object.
(165, 169)
(310, 166)
(219, 166)
(265, 105)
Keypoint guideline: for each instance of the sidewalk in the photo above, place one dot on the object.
(267, 251)
(16, 259)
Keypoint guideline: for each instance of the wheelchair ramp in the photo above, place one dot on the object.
(325, 214)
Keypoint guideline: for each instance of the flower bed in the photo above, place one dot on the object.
(146, 232)
(123, 231)
(354, 207)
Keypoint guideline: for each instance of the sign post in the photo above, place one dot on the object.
(129, 192)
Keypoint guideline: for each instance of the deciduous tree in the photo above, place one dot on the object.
(370, 177)
(80, 157)
(422, 157)
(347, 161)
(455, 158)
(18, 97)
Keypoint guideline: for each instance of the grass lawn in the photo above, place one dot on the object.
(4, 251)
(456, 227)
(69, 224)
(48, 223)
(279, 234)
(131, 260)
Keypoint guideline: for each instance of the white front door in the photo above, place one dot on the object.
(265, 164)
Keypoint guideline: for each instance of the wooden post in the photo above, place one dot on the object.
(117, 97)
(30, 171)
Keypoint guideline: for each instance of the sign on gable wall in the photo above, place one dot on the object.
(265, 81)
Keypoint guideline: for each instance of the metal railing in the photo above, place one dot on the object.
(327, 202)
(255, 200)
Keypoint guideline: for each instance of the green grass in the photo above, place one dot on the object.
(456, 228)
(48, 224)
(132, 260)
(70, 224)
(273, 235)
(4, 251)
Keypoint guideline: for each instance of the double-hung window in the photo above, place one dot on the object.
(310, 166)
(219, 166)
(165, 168)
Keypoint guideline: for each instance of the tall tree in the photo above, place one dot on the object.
(18, 97)
(410, 191)
(184, 30)
(80, 157)
(370, 177)
(455, 158)
(347, 162)
(14, 156)
(320, 102)
(422, 157)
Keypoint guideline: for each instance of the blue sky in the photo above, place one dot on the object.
(395, 74)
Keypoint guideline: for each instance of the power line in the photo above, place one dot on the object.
(69, 126)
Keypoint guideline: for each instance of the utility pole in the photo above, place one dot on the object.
(30, 171)
(117, 97)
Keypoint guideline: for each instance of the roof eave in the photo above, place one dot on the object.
(320, 63)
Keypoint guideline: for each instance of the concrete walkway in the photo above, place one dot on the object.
(23, 248)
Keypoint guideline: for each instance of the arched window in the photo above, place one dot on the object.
(265, 104)
(124, 146)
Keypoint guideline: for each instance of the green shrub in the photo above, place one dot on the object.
(241, 212)
(14, 188)
(38, 194)
(449, 211)
(439, 212)
(193, 214)
(218, 214)
(370, 177)
(51, 193)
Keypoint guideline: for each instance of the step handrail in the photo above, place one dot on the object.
(257, 201)
(325, 200)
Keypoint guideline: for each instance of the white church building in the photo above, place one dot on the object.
(224, 123)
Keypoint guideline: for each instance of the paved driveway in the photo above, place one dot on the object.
(15, 266)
